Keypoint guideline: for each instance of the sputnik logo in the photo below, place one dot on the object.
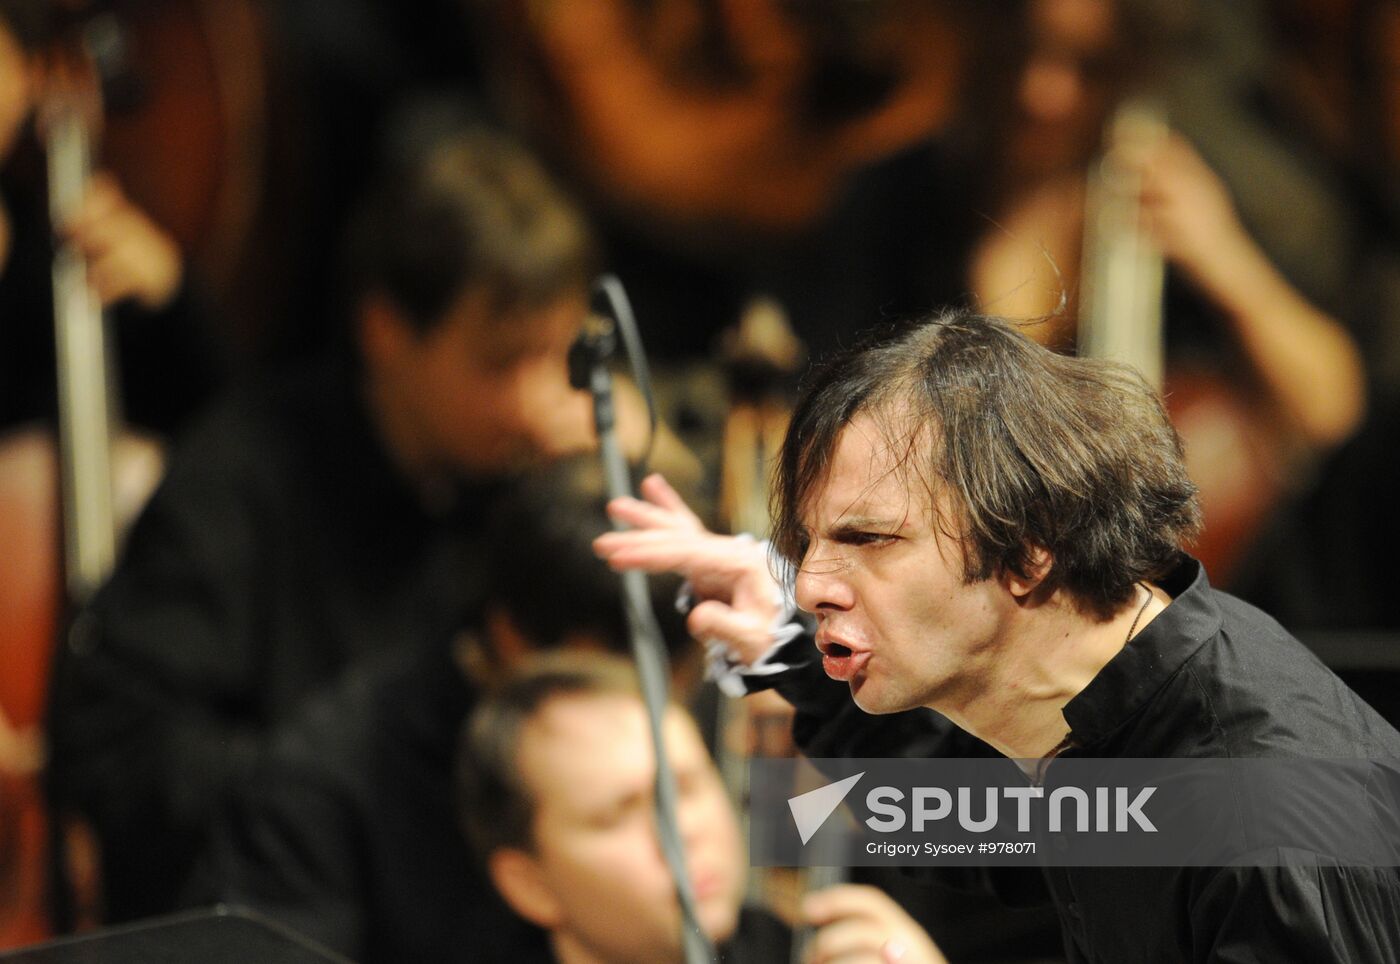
(811, 809)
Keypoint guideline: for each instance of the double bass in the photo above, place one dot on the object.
(65, 496)
(1235, 453)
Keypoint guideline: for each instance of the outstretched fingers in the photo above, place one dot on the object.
(657, 490)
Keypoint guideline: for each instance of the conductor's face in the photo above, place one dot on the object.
(883, 577)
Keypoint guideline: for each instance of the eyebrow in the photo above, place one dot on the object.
(862, 524)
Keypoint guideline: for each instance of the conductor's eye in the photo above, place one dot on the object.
(866, 538)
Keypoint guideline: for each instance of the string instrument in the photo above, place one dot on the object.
(65, 498)
(81, 466)
(1235, 452)
(187, 127)
(762, 357)
(85, 397)
(761, 354)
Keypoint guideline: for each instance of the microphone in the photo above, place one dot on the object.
(588, 368)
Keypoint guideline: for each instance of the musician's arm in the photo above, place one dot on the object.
(862, 923)
(1305, 359)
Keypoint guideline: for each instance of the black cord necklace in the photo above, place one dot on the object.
(1133, 628)
(1038, 778)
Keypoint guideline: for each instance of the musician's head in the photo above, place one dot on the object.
(1033, 462)
(469, 273)
(1080, 57)
(549, 518)
(556, 777)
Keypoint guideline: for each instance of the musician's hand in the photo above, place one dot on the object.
(1187, 210)
(1307, 362)
(859, 924)
(729, 574)
(129, 256)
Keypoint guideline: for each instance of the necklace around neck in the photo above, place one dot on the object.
(1136, 619)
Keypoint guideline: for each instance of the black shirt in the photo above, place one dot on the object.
(1210, 677)
(350, 835)
(168, 362)
(281, 556)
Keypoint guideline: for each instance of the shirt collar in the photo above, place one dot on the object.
(1153, 656)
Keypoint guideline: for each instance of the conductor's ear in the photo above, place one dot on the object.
(1038, 565)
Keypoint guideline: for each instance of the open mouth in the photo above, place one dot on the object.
(841, 662)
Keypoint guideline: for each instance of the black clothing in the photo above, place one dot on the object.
(1209, 677)
(760, 938)
(350, 835)
(169, 362)
(281, 556)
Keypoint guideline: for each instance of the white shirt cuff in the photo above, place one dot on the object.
(721, 665)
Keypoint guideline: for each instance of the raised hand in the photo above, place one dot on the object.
(730, 575)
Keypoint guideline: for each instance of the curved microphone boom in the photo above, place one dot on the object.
(588, 368)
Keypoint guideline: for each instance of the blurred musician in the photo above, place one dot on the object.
(1276, 381)
(319, 523)
(556, 776)
(134, 264)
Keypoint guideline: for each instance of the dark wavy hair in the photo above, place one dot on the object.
(1036, 450)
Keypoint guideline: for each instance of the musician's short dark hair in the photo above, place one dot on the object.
(544, 572)
(496, 805)
(1035, 450)
(459, 206)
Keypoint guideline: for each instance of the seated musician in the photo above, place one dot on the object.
(556, 779)
(326, 520)
(348, 833)
(134, 265)
(1263, 380)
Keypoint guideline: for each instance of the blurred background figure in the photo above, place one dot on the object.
(1262, 382)
(75, 240)
(168, 342)
(358, 792)
(761, 148)
(329, 516)
(556, 786)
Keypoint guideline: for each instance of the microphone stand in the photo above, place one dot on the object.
(588, 368)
